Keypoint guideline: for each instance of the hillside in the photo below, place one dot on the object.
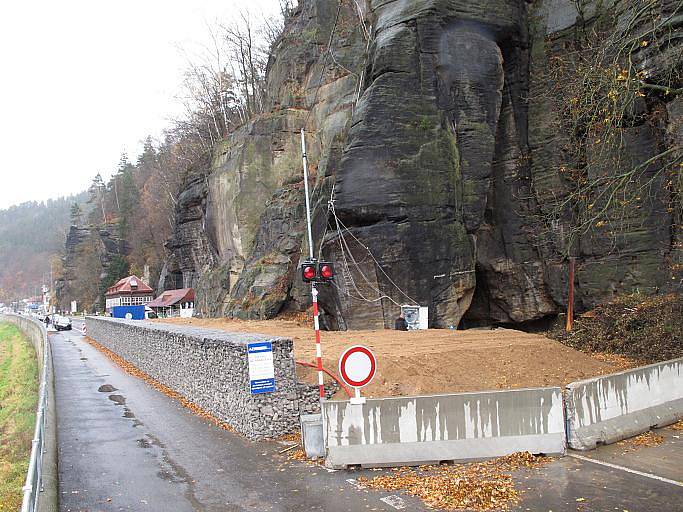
(30, 235)
(461, 153)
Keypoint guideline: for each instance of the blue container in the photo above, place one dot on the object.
(135, 312)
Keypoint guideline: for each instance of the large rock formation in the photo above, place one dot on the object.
(89, 251)
(443, 154)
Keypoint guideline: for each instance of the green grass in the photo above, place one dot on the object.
(18, 400)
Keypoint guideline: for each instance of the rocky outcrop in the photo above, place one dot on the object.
(89, 250)
(441, 154)
(240, 227)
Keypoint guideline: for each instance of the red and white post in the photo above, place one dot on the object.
(318, 347)
(314, 290)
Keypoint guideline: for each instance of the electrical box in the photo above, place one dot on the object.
(417, 317)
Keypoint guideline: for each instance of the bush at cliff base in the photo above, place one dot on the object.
(649, 329)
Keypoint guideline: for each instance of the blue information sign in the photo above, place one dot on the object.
(261, 368)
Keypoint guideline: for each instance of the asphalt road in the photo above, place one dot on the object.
(125, 446)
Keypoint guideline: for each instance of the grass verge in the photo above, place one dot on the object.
(18, 400)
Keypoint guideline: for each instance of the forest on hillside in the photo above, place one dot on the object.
(31, 234)
(131, 216)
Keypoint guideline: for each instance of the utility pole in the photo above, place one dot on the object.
(314, 290)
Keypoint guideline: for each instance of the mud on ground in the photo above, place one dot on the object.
(437, 360)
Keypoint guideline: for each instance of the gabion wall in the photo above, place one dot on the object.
(210, 368)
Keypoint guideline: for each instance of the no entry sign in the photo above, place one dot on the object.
(357, 366)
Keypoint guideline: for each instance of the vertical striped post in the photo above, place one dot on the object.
(318, 349)
(314, 291)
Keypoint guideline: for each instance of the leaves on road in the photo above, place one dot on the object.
(478, 486)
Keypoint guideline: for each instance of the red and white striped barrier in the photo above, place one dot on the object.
(318, 348)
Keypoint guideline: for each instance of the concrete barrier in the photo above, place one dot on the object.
(454, 427)
(613, 407)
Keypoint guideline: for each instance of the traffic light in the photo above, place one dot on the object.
(308, 271)
(319, 272)
(325, 271)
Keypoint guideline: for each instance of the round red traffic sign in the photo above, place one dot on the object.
(357, 366)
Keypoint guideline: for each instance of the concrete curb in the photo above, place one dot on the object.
(48, 500)
(456, 427)
(610, 408)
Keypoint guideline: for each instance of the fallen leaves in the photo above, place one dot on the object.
(677, 426)
(478, 486)
(647, 440)
(294, 437)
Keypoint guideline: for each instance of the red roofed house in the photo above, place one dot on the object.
(174, 302)
(129, 291)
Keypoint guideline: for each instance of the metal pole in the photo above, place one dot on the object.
(314, 291)
(308, 201)
(570, 299)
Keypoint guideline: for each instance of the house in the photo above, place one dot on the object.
(174, 303)
(129, 291)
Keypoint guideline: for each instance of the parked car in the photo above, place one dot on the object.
(62, 323)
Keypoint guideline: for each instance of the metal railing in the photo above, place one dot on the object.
(33, 485)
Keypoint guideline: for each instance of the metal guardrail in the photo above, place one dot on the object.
(33, 485)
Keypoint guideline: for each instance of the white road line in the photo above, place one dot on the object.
(394, 501)
(628, 470)
(354, 483)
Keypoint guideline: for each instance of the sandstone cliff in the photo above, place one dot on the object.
(439, 132)
(89, 252)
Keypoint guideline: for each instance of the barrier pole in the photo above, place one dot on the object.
(314, 290)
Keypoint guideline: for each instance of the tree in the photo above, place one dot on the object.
(118, 269)
(75, 214)
(97, 193)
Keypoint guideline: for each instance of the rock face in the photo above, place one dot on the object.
(441, 155)
(88, 253)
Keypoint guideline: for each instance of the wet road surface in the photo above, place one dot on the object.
(125, 446)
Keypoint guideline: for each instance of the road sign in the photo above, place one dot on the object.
(357, 367)
(261, 368)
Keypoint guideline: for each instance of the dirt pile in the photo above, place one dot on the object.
(436, 360)
(649, 329)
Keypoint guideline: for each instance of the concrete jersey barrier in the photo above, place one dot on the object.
(610, 408)
(453, 427)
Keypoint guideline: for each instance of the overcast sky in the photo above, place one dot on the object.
(84, 80)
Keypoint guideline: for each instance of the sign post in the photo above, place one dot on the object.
(357, 367)
(261, 368)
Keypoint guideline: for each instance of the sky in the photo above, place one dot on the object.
(83, 81)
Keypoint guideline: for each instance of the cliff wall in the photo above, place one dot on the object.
(455, 162)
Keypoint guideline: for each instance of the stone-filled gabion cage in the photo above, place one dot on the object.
(210, 368)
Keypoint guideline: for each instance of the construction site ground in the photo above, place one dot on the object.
(436, 360)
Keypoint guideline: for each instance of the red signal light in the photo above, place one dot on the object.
(326, 271)
(308, 272)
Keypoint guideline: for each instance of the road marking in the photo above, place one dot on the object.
(394, 501)
(627, 470)
(354, 483)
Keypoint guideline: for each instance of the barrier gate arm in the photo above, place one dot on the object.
(328, 372)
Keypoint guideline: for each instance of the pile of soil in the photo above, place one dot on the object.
(648, 329)
(436, 360)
